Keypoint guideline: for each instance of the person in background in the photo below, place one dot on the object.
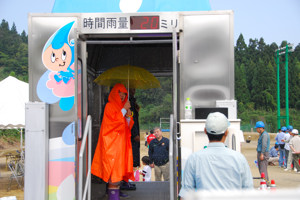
(135, 131)
(150, 137)
(295, 147)
(279, 137)
(113, 161)
(273, 155)
(286, 140)
(216, 167)
(146, 172)
(159, 155)
(146, 136)
(289, 155)
(278, 131)
(263, 145)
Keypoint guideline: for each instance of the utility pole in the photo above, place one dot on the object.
(280, 51)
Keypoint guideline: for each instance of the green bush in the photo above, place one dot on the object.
(250, 117)
(14, 133)
(298, 105)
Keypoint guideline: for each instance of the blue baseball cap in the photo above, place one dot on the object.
(259, 124)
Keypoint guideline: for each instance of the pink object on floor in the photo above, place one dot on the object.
(137, 175)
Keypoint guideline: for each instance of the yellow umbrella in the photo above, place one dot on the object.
(135, 77)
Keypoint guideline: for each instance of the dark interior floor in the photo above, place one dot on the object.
(144, 191)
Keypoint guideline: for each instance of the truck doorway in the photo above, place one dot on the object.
(153, 52)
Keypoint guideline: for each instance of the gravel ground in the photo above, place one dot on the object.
(283, 180)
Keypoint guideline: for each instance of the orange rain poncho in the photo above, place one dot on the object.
(113, 156)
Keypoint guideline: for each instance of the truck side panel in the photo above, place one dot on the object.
(52, 80)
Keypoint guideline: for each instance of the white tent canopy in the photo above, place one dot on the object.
(14, 95)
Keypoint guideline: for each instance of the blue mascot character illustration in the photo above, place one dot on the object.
(58, 83)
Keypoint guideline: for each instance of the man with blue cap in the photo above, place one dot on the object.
(262, 149)
(280, 139)
(273, 153)
(216, 167)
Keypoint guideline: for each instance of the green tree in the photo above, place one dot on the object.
(266, 52)
(155, 103)
(296, 52)
(240, 51)
(13, 30)
(263, 86)
(242, 94)
(24, 37)
(4, 36)
(261, 46)
(252, 53)
(13, 52)
(294, 82)
(250, 67)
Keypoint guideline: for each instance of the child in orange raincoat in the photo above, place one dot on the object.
(113, 161)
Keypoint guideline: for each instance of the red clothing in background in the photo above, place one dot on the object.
(150, 138)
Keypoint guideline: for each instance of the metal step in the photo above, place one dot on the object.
(144, 190)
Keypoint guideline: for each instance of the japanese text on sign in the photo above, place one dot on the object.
(116, 23)
(105, 23)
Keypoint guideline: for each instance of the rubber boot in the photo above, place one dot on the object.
(113, 194)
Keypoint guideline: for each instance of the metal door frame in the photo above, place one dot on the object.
(81, 115)
(173, 121)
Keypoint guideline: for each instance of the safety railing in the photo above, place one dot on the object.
(87, 186)
(162, 124)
